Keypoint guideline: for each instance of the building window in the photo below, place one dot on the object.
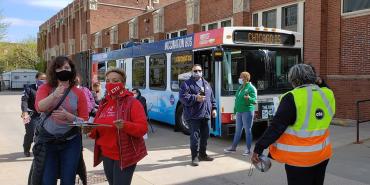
(255, 20)
(101, 71)
(176, 34)
(147, 40)
(355, 5)
(289, 18)
(98, 40)
(269, 19)
(181, 65)
(212, 26)
(218, 24)
(183, 33)
(93, 4)
(157, 72)
(226, 23)
(203, 28)
(113, 33)
(138, 73)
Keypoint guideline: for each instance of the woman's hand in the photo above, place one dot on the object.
(59, 91)
(62, 114)
(87, 130)
(118, 123)
(255, 158)
(246, 98)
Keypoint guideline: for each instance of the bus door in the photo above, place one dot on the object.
(205, 59)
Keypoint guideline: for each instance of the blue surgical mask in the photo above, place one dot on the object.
(241, 82)
(197, 74)
(40, 82)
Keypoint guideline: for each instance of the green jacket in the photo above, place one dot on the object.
(242, 105)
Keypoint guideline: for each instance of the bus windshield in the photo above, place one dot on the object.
(268, 68)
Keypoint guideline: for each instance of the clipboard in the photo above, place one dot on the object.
(87, 124)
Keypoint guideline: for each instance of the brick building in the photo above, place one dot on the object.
(69, 31)
(336, 33)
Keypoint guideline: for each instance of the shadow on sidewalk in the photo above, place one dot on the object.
(183, 160)
(14, 157)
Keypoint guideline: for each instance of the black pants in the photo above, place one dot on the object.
(115, 175)
(199, 133)
(30, 132)
(314, 175)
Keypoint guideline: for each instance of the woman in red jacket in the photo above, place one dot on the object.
(121, 146)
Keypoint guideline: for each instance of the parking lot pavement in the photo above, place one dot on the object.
(168, 161)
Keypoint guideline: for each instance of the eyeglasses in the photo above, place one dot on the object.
(195, 71)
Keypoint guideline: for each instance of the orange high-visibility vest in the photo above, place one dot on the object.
(306, 142)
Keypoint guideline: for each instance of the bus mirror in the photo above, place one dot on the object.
(218, 54)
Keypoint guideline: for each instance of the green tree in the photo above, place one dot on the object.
(20, 55)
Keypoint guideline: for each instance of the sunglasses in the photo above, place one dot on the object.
(195, 71)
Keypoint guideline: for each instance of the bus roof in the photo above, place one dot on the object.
(204, 39)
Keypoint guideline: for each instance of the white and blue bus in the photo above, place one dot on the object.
(158, 69)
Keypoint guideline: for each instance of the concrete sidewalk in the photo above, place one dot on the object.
(169, 158)
(168, 162)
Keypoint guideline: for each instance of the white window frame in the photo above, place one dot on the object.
(218, 23)
(279, 9)
(107, 49)
(150, 39)
(356, 13)
(113, 33)
(98, 40)
(93, 5)
(121, 46)
(168, 34)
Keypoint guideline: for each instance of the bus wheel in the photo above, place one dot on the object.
(180, 121)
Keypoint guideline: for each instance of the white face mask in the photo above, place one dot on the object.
(197, 74)
(241, 82)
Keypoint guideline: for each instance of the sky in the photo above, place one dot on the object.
(25, 16)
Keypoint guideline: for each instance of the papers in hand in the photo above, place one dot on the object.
(87, 124)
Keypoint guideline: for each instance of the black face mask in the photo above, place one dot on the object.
(64, 75)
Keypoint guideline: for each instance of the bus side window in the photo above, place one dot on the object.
(138, 72)
(181, 65)
(158, 72)
(101, 71)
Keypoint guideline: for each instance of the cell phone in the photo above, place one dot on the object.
(202, 93)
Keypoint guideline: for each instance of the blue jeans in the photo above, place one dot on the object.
(65, 156)
(199, 133)
(243, 120)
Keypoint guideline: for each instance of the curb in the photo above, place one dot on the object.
(343, 122)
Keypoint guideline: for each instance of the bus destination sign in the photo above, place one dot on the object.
(258, 37)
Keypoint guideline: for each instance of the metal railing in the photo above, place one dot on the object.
(359, 120)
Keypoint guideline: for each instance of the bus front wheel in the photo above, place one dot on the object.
(181, 123)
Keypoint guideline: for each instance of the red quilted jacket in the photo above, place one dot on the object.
(130, 141)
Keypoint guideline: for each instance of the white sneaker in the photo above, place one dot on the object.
(246, 153)
(229, 150)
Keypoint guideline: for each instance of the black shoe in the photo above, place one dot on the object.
(27, 154)
(195, 162)
(205, 158)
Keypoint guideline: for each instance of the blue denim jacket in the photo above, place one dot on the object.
(193, 109)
